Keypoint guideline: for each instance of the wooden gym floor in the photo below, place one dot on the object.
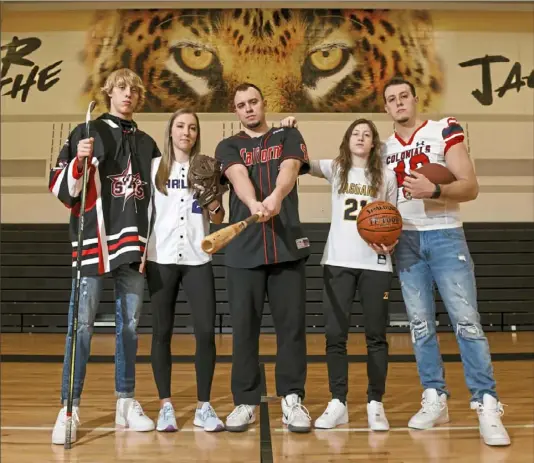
(30, 381)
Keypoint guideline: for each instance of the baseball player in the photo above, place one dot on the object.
(181, 220)
(432, 248)
(358, 177)
(115, 233)
(262, 166)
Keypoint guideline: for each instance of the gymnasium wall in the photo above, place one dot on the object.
(476, 65)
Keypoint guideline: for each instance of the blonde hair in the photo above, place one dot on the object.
(121, 77)
(167, 158)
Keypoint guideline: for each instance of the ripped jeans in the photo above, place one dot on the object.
(129, 292)
(442, 256)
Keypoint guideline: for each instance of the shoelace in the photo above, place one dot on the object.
(208, 413)
(430, 406)
(490, 412)
(299, 409)
(168, 412)
(137, 408)
(239, 410)
(331, 406)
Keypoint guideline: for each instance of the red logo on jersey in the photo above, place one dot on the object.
(127, 185)
(260, 155)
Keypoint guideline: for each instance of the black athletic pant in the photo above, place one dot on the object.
(163, 285)
(340, 286)
(285, 285)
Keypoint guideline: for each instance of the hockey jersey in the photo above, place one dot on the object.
(116, 218)
(428, 144)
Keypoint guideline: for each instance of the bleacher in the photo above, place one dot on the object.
(36, 282)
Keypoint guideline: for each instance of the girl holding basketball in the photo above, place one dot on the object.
(358, 177)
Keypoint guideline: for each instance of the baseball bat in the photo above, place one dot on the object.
(219, 239)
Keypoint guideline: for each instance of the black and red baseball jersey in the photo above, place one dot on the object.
(281, 238)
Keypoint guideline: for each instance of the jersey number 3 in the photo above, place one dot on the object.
(415, 162)
(352, 208)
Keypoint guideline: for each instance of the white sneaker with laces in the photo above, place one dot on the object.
(206, 418)
(130, 414)
(336, 413)
(295, 415)
(240, 418)
(489, 417)
(60, 427)
(434, 411)
(167, 419)
(376, 416)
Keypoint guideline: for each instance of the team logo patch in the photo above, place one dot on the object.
(382, 260)
(386, 295)
(302, 243)
(127, 185)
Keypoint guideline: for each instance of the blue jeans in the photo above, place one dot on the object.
(129, 291)
(442, 256)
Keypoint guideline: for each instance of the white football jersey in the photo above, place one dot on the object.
(180, 224)
(428, 144)
(344, 246)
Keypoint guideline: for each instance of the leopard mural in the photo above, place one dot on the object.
(304, 60)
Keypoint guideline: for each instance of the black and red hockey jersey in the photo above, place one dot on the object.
(116, 218)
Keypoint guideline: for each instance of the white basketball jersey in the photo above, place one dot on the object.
(428, 144)
(180, 224)
(344, 246)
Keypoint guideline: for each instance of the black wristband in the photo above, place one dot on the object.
(437, 192)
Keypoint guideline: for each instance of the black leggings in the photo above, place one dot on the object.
(340, 286)
(163, 285)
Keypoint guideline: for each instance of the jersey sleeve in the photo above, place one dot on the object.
(326, 166)
(392, 189)
(452, 133)
(65, 182)
(228, 155)
(294, 147)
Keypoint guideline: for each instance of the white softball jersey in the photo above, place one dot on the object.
(180, 224)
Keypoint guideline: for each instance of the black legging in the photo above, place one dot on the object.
(163, 285)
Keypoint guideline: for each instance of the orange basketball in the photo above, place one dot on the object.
(379, 222)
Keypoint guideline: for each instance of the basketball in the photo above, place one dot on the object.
(379, 222)
(436, 173)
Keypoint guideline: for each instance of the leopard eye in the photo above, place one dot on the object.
(327, 60)
(196, 58)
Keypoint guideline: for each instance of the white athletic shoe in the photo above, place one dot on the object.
(295, 415)
(206, 418)
(167, 419)
(489, 417)
(240, 418)
(434, 411)
(336, 413)
(376, 416)
(60, 427)
(130, 414)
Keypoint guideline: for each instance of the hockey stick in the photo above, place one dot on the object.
(74, 320)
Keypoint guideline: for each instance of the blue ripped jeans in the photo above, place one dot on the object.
(442, 256)
(129, 291)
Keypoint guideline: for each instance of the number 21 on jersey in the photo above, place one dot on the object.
(414, 162)
(353, 208)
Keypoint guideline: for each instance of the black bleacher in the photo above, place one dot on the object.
(36, 281)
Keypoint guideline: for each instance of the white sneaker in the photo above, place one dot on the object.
(206, 418)
(130, 414)
(376, 416)
(336, 413)
(240, 418)
(489, 417)
(167, 419)
(434, 411)
(60, 427)
(295, 415)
